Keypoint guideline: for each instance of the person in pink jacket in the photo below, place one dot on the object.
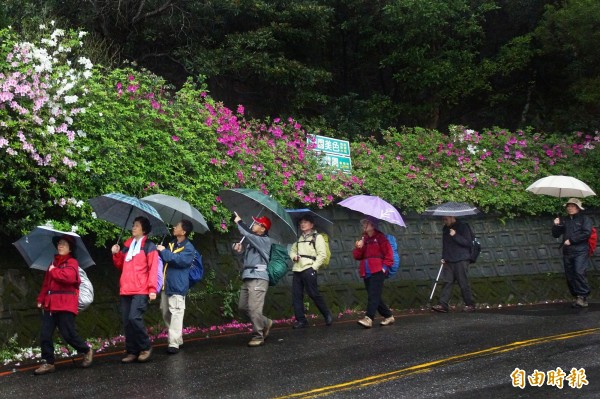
(376, 256)
(58, 300)
(138, 262)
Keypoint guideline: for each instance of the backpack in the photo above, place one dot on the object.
(396, 265)
(196, 269)
(592, 242)
(277, 266)
(327, 250)
(86, 291)
(475, 246)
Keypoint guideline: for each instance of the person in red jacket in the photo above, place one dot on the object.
(374, 252)
(138, 262)
(58, 300)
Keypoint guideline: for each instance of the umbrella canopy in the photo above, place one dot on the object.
(451, 209)
(122, 210)
(374, 206)
(38, 250)
(561, 186)
(248, 203)
(322, 224)
(173, 209)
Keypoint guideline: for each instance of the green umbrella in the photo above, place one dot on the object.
(248, 203)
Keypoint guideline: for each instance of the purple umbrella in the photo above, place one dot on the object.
(374, 206)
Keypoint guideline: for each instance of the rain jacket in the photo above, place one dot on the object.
(577, 230)
(60, 288)
(375, 253)
(256, 255)
(139, 276)
(456, 248)
(310, 255)
(177, 258)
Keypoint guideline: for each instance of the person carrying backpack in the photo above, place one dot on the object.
(177, 259)
(308, 254)
(375, 254)
(254, 275)
(456, 255)
(575, 230)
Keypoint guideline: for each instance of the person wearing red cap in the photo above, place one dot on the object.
(58, 300)
(254, 275)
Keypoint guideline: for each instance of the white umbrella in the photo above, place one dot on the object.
(561, 186)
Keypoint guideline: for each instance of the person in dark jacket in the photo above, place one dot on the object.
(376, 257)
(176, 283)
(575, 230)
(456, 252)
(58, 300)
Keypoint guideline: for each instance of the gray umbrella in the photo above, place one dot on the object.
(451, 209)
(322, 224)
(172, 210)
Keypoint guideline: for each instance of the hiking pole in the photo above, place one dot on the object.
(436, 281)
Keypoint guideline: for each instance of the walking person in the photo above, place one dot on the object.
(254, 275)
(138, 262)
(376, 256)
(456, 252)
(308, 254)
(177, 260)
(575, 230)
(58, 299)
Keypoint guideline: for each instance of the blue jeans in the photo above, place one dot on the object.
(575, 267)
(374, 286)
(133, 308)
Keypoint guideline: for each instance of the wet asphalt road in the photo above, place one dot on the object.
(423, 355)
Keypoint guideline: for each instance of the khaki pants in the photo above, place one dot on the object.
(252, 300)
(173, 309)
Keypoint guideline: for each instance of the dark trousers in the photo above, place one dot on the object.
(307, 280)
(575, 267)
(133, 308)
(65, 321)
(374, 286)
(456, 272)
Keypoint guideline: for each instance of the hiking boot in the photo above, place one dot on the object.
(267, 329)
(469, 308)
(300, 324)
(171, 350)
(387, 321)
(130, 358)
(366, 322)
(88, 358)
(144, 356)
(581, 302)
(45, 368)
(256, 341)
(439, 308)
(328, 319)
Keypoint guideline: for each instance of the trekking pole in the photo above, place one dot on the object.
(436, 281)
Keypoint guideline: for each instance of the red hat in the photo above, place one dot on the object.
(265, 221)
(68, 238)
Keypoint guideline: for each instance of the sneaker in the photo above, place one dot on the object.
(130, 358)
(267, 329)
(439, 308)
(88, 358)
(328, 319)
(366, 322)
(300, 324)
(256, 341)
(469, 308)
(45, 368)
(387, 321)
(144, 356)
(171, 350)
(581, 302)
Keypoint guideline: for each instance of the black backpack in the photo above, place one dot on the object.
(475, 246)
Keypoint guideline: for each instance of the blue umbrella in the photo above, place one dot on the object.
(374, 206)
(322, 224)
(122, 210)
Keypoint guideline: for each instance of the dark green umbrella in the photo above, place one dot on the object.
(247, 203)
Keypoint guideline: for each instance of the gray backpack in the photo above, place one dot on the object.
(86, 291)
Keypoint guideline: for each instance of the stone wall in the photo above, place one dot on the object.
(520, 262)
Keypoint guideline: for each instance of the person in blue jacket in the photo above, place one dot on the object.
(177, 259)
